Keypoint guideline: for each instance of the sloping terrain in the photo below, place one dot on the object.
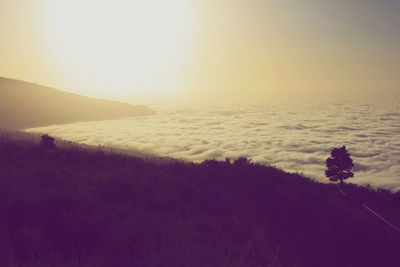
(86, 207)
(25, 105)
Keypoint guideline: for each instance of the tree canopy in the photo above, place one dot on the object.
(339, 165)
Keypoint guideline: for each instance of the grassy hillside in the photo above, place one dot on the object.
(24, 105)
(86, 207)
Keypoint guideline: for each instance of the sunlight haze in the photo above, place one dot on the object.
(198, 133)
(203, 51)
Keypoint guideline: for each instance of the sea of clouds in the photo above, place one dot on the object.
(296, 136)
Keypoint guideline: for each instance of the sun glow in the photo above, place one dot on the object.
(120, 47)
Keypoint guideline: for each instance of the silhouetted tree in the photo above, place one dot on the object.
(339, 165)
(48, 142)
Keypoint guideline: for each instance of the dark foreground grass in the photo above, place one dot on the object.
(81, 207)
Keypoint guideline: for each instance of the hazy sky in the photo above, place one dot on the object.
(203, 50)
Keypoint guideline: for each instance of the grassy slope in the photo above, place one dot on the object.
(80, 207)
(25, 105)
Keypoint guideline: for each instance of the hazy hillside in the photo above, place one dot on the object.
(79, 207)
(24, 105)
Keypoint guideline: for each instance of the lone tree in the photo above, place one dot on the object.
(48, 142)
(339, 165)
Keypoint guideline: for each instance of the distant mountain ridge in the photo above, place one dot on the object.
(26, 105)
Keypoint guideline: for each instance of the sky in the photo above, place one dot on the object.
(222, 51)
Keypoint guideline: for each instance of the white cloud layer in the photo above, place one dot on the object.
(296, 137)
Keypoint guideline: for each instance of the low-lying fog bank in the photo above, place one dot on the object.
(296, 137)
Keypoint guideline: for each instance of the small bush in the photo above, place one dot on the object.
(48, 142)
